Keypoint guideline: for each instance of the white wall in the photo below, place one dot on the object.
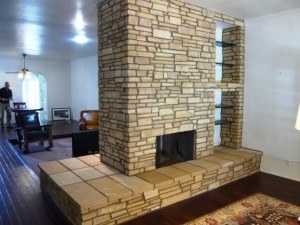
(272, 91)
(57, 74)
(84, 85)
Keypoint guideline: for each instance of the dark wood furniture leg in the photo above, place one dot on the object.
(49, 129)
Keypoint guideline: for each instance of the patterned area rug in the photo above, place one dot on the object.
(257, 209)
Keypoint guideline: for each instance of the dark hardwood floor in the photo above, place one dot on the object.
(190, 209)
(23, 203)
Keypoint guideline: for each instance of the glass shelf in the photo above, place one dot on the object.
(224, 106)
(219, 122)
(224, 64)
(224, 44)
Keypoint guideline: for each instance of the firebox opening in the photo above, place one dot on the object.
(174, 148)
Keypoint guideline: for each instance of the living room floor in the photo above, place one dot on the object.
(22, 201)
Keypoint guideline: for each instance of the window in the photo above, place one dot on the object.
(34, 91)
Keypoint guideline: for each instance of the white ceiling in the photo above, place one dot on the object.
(247, 9)
(44, 28)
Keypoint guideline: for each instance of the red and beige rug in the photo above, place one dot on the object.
(257, 209)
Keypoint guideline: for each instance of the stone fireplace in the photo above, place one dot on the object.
(156, 77)
(156, 93)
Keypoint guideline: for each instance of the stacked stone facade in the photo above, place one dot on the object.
(231, 133)
(84, 203)
(156, 77)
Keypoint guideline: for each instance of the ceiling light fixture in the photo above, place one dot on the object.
(80, 39)
(78, 22)
(20, 75)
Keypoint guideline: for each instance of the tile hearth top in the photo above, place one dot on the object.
(88, 181)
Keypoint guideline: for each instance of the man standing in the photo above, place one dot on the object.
(5, 96)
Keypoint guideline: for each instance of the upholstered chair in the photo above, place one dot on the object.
(89, 120)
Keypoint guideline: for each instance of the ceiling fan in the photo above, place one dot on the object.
(24, 72)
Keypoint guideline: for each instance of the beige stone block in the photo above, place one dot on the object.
(89, 222)
(65, 178)
(145, 121)
(84, 195)
(53, 167)
(119, 213)
(156, 178)
(162, 34)
(204, 24)
(158, 75)
(189, 168)
(91, 160)
(194, 100)
(88, 173)
(222, 162)
(194, 54)
(147, 91)
(117, 134)
(152, 132)
(214, 185)
(176, 174)
(106, 169)
(145, 22)
(186, 127)
(183, 114)
(136, 184)
(171, 101)
(142, 60)
(223, 170)
(133, 20)
(150, 194)
(238, 168)
(196, 186)
(89, 215)
(110, 188)
(181, 68)
(160, 7)
(163, 112)
(144, 110)
(234, 158)
(146, 54)
(188, 90)
(204, 66)
(175, 20)
(73, 163)
(205, 164)
(112, 208)
(143, 3)
(240, 152)
(186, 30)
(175, 198)
(101, 219)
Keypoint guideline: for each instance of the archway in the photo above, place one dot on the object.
(34, 92)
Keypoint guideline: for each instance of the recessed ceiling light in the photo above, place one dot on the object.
(80, 39)
(78, 22)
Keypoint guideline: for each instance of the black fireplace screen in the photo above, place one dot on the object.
(174, 148)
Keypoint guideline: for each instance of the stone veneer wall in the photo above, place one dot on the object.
(156, 76)
(165, 192)
(231, 134)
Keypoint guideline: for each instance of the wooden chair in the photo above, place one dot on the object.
(30, 129)
(19, 105)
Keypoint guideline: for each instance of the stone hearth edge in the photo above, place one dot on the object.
(89, 192)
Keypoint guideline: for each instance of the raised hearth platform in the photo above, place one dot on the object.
(89, 192)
